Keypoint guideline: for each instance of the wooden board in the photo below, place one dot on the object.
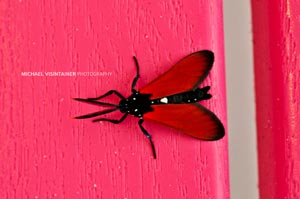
(44, 153)
(277, 80)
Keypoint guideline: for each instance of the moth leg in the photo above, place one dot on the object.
(95, 114)
(107, 94)
(148, 136)
(111, 120)
(137, 75)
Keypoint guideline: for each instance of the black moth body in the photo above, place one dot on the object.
(138, 104)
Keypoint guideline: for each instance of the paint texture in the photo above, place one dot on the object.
(44, 153)
(277, 79)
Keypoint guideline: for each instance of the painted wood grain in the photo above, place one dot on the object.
(277, 78)
(44, 153)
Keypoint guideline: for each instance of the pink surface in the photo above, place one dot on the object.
(46, 154)
(277, 79)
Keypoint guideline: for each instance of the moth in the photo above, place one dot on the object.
(170, 99)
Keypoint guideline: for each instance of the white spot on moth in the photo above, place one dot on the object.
(135, 110)
(164, 100)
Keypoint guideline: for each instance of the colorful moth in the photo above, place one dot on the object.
(170, 99)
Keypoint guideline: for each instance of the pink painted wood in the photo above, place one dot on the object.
(277, 79)
(44, 153)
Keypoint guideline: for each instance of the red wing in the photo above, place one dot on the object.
(191, 119)
(185, 75)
